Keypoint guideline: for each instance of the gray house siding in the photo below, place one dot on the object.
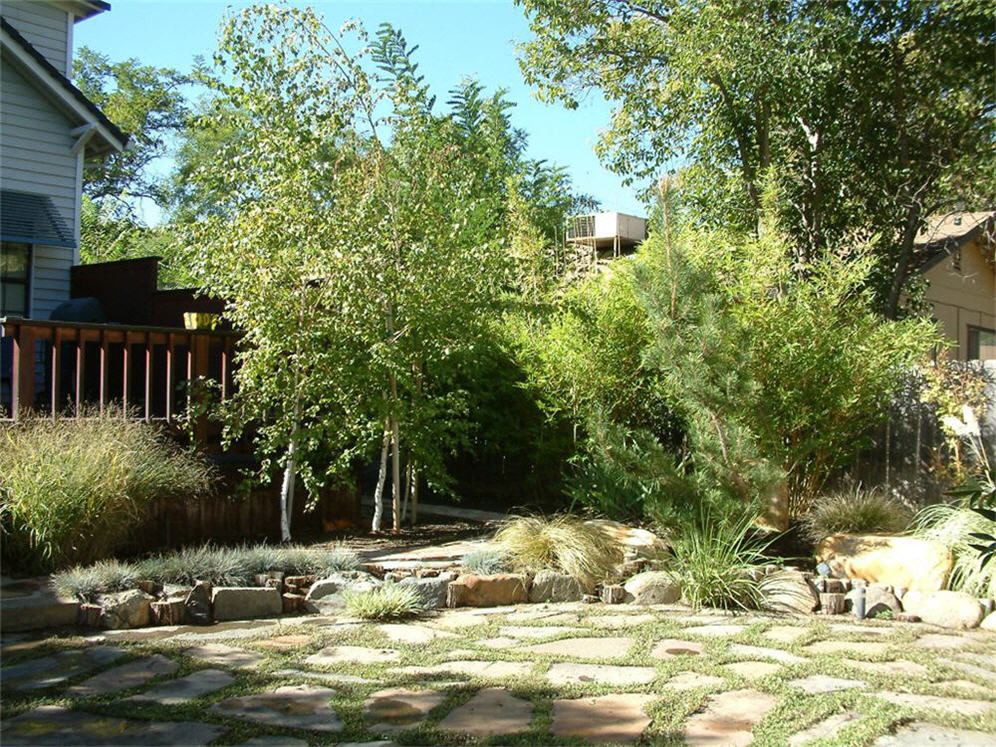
(45, 26)
(35, 150)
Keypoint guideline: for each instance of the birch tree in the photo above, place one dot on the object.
(362, 254)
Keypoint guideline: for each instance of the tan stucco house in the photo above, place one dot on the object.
(961, 274)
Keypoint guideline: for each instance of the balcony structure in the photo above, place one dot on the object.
(607, 234)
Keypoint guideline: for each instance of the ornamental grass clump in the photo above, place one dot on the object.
(719, 564)
(958, 528)
(387, 602)
(563, 543)
(72, 490)
(856, 510)
(487, 561)
(87, 583)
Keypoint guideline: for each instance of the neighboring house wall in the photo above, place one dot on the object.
(46, 26)
(36, 153)
(962, 291)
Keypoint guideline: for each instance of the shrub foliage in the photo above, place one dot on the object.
(73, 489)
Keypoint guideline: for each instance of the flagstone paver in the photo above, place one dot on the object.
(331, 678)
(284, 642)
(563, 673)
(967, 668)
(718, 630)
(692, 680)
(729, 718)
(127, 675)
(900, 668)
(183, 690)
(785, 633)
(472, 668)
(753, 670)
(414, 634)
(619, 622)
(857, 629)
(609, 718)
(54, 725)
(849, 648)
(491, 712)
(48, 671)
(671, 648)
(821, 683)
(399, 708)
(972, 687)
(332, 655)
(226, 656)
(499, 642)
(273, 741)
(920, 734)
(761, 652)
(942, 641)
(530, 631)
(937, 703)
(828, 727)
(986, 661)
(297, 706)
(585, 648)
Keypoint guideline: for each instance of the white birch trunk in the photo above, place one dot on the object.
(396, 473)
(381, 478)
(287, 489)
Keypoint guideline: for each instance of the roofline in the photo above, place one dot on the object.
(87, 8)
(60, 88)
(939, 250)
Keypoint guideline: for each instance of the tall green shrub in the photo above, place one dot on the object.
(72, 490)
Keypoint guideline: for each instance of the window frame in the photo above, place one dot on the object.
(973, 346)
(26, 282)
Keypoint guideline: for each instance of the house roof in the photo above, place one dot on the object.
(83, 9)
(944, 234)
(108, 137)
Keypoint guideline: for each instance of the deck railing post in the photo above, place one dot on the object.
(23, 374)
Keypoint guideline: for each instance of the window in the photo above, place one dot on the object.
(981, 343)
(15, 275)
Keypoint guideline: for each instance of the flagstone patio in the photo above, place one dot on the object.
(529, 674)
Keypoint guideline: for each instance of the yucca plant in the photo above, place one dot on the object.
(562, 543)
(387, 602)
(719, 565)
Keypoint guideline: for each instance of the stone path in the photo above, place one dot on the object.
(538, 673)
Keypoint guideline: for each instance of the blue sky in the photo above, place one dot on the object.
(470, 38)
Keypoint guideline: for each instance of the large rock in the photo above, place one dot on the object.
(789, 592)
(432, 591)
(246, 602)
(946, 609)
(488, 591)
(126, 609)
(880, 601)
(550, 586)
(327, 594)
(989, 622)
(198, 604)
(902, 562)
(631, 540)
(653, 587)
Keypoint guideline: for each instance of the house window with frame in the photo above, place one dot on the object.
(981, 343)
(15, 278)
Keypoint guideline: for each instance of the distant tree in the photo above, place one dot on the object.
(869, 115)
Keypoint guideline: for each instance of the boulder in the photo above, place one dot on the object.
(988, 622)
(879, 599)
(789, 592)
(946, 609)
(246, 602)
(902, 562)
(613, 594)
(126, 609)
(638, 543)
(431, 590)
(653, 587)
(550, 586)
(833, 603)
(340, 582)
(168, 612)
(471, 590)
(198, 604)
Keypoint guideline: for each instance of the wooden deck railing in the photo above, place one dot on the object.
(62, 368)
